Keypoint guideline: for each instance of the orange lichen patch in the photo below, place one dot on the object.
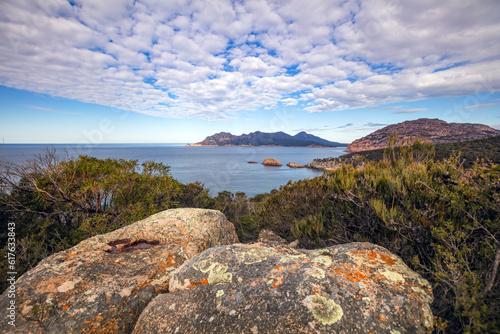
(108, 298)
(382, 318)
(350, 275)
(276, 284)
(194, 284)
(51, 284)
(277, 267)
(361, 275)
(66, 306)
(374, 257)
(387, 259)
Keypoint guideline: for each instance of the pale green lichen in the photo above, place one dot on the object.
(392, 276)
(428, 316)
(316, 273)
(249, 255)
(290, 257)
(302, 290)
(366, 299)
(219, 293)
(324, 260)
(218, 275)
(161, 281)
(395, 331)
(424, 282)
(324, 310)
(203, 265)
(240, 279)
(423, 294)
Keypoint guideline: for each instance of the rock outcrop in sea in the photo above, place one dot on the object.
(434, 131)
(271, 162)
(182, 271)
(295, 165)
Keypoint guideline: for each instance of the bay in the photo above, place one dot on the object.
(219, 168)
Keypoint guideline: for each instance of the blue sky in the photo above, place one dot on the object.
(151, 71)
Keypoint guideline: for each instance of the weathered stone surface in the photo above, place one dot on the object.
(295, 165)
(271, 162)
(269, 237)
(103, 284)
(351, 288)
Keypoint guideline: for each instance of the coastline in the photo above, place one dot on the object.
(310, 146)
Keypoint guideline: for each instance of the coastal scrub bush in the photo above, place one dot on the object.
(239, 209)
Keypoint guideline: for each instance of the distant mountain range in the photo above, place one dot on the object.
(301, 139)
(434, 131)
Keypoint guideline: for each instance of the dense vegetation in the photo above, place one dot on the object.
(441, 217)
(487, 149)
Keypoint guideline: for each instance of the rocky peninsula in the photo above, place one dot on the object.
(434, 131)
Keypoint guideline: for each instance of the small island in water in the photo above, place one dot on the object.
(301, 139)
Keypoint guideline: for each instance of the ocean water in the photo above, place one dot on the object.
(218, 168)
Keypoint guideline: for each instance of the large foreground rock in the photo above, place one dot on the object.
(352, 288)
(103, 284)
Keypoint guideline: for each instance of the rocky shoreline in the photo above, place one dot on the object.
(336, 163)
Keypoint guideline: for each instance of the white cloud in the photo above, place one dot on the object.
(410, 111)
(479, 106)
(216, 59)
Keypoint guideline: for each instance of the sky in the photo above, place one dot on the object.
(156, 71)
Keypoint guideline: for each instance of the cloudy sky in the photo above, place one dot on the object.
(74, 71)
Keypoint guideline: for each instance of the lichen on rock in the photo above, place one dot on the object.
(102, 284)
(323, 309)
(277, 289)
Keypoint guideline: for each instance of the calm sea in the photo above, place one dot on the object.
(218, 168)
